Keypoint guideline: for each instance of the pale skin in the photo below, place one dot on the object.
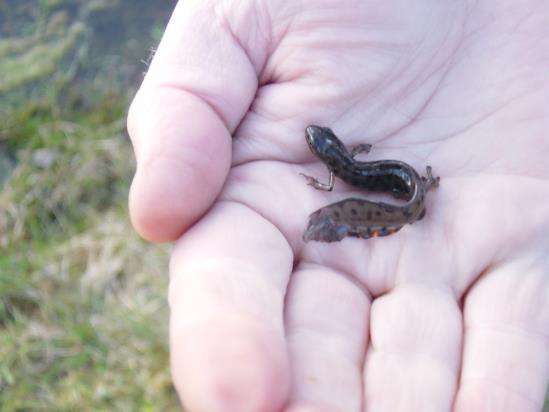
(451, 312)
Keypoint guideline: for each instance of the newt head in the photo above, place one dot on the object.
(325, 144)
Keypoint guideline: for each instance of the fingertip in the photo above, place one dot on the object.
(223, 365)
(183, 152)
(309, 406)
(156, 212)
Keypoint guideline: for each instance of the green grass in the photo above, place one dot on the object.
(83, 312)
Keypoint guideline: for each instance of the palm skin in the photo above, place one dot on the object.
(450, 312)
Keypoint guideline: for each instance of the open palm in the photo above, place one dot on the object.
(450, 312)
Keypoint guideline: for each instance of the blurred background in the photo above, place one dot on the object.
(83, 313)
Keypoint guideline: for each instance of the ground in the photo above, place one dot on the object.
(83, 312)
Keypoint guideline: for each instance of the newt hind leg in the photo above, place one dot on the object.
(430, 181)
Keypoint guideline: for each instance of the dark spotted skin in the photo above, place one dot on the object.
(360, 217)
(388, 176)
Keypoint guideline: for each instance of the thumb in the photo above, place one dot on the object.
(199, 86)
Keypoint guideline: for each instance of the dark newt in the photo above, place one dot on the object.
(363, 218)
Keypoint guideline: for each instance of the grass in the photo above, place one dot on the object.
(83, 313)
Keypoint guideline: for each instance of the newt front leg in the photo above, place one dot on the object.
(311, 181)
(361, 148)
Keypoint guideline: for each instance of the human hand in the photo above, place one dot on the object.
(450, 311)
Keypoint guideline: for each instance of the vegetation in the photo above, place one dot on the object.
(83, 314)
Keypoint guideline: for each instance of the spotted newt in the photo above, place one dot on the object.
(356, 217)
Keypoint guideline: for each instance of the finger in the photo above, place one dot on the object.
(327, 328)
(505, 360)
(413, 361)
(309, 407)
(229, 275)
(198, 88)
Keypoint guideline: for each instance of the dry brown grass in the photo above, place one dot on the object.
(83, 312)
